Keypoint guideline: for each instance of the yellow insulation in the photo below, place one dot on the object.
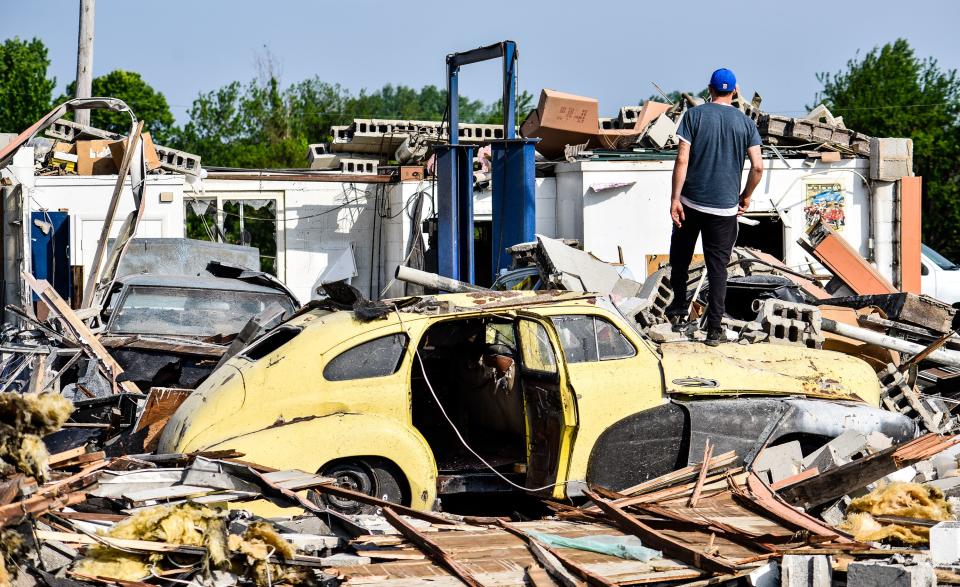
(908, 500)
(184, 524)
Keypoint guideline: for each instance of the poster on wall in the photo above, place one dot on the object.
(824, 201)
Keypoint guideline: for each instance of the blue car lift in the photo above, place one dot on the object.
(514, 183)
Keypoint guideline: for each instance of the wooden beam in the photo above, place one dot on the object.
(345, 493)
(654, 539)
(95, 267)
(576, 568)
(79, 330)
(431, 549)
(702, 476)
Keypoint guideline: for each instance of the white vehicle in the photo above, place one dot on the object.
(939, 276)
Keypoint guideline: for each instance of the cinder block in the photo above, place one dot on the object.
(805, 571)
(838, 451)
(790, 323)
(766, 576)
(945, 543)
(179, 161)
(887, 574)
(890, 158)
(779, 461)
(358, 164)
(949, 486)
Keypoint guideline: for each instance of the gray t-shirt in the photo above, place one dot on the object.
(719, 136)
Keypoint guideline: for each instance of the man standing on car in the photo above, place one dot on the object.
(706, 200)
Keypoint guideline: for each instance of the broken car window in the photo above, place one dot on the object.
(184, 311)
(375, 358)
(589, 338)
(536, 348)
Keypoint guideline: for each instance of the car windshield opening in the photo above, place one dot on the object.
(191, 312)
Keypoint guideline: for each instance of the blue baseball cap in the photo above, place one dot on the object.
(723, 80)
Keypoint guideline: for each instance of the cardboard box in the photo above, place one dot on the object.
(95, 158)
(149, 152)
(64, 156)
(562, 119)
(412, 172)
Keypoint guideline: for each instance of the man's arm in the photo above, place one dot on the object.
(679, 176)
(753, 178)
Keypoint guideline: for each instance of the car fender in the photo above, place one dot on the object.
(308, 444)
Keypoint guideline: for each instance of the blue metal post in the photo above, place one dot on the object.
(465, 210)
(514, 198)
(509, 89)
(448, 249)
(515, 212)
(453, 100)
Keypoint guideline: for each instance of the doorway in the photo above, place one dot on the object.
(766, 235)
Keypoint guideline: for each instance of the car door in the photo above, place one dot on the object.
(549, 405)
(612, 372)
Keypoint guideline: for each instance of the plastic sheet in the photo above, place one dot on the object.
(627, 547)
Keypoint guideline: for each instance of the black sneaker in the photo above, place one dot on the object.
(678, 323)
(715, 336)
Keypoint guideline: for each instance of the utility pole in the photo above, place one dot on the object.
(85, 58)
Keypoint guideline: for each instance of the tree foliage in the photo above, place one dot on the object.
(148, 104)
(891, 92)
(25, 91)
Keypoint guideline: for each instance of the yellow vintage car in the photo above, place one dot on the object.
(545, 391)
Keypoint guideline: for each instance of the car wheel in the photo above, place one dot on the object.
(374, 477)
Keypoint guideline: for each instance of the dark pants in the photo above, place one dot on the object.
(719, 235)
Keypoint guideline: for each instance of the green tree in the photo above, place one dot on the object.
(891, 92)
(494, 113)
(149, 105)
(25, 91)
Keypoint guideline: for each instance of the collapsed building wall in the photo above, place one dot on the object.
(611, 204)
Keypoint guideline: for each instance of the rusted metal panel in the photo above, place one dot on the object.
(910, 233)
(833, 251)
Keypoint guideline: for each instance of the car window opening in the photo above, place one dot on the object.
(471, 364)
(271, 342)
(375, 358)
(590, 338)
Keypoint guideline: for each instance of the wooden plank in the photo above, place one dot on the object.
(839, 481)
(96, 265)
(119, 543)
(655, 539)
(794, 479)
(370, 500)
(761, 496)
(430, 548)
(537, 577)
(79, 330)
(579, 570)
(82, 459)
(161, 403)
(66, 455)
(679, 475)
(702, 476)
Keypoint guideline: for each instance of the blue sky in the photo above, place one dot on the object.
(611, 50)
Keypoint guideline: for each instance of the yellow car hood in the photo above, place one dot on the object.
(693, 368)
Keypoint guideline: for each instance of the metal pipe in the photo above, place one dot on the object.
(434, 281)
(942, 356)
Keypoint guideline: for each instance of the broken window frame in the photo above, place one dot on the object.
(564, 331)
(220, 199)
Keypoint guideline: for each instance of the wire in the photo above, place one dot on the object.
(456, 431)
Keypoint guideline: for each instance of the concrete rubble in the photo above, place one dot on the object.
(856, 494)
